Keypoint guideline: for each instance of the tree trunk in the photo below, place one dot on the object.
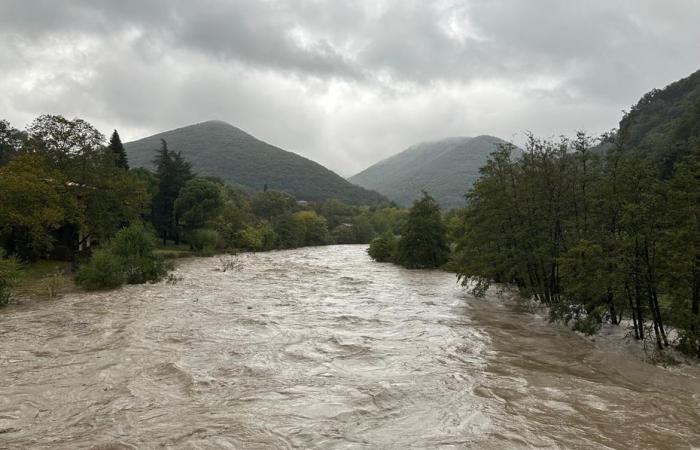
(634, 311)
(611, 306)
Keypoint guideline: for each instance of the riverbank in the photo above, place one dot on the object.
(51, 279)
(44, 280)
(616, 339)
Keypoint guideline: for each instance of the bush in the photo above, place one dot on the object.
(204, 241)
(128, 258)
(251, 238)
(9, 271)
(383, 248)
(103, 271)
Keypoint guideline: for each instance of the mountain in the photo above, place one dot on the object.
(221, 150)
(446, 169)
(665, 122)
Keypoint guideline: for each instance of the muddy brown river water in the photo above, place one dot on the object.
(321, 347)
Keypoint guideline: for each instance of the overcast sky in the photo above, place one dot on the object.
(345, 83)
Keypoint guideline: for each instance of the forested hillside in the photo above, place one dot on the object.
(664, 123)
(446, 169)
(221, 150)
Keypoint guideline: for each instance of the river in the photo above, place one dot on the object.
(321, 347)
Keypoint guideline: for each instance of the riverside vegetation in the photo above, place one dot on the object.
(68, 195)
(598, 231)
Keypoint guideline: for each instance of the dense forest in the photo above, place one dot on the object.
(67, 194)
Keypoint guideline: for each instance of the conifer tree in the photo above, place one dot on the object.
(117, 149)
(172, 172)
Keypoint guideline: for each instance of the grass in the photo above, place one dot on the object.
(173, 251)
(45, 279)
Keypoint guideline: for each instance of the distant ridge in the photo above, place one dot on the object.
(446, 169)
(218, 149)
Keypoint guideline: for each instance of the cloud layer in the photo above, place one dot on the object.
(343, 83)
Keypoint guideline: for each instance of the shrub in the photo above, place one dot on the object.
(103, 271)
(128, 258)
(383, 247)
(251, 238)
(204, 241)
(134, 247)
(256, 238)
(9, 271)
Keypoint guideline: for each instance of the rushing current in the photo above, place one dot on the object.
(321, 347)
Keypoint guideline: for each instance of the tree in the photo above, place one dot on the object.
(32, 205)
(364, 232)
(11, 141)
(67, 144)
(315, 227)
(97, 197)
(198, 203)
(383, 247)
(172, 172)
(117, 149)
(290, 231)
(423, 242)
(270, 204)
(681, 250)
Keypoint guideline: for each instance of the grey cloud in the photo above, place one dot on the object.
(345, 83)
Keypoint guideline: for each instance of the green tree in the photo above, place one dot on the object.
(681, 250)
(198, 203)
(117, 149)
(423, 242)
(11, 141)
(270, 204)
(32, 205)
(289, 231)
(315, 227)
(67, 144)
(383, 247)
(364, 232)
(172, 173)
(106, 196)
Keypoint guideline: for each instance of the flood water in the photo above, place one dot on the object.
(321, 347)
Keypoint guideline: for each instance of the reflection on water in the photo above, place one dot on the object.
(320, 347)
